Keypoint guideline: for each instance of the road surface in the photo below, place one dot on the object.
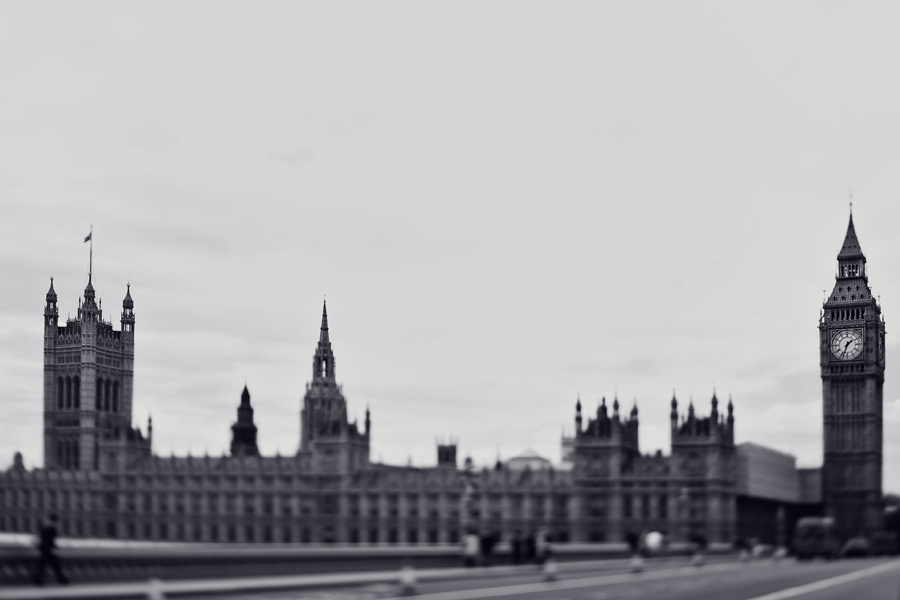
(860, 579)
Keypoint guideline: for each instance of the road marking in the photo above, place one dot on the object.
(827, 583)
(568, 584)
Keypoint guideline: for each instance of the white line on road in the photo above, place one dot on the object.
(568, 584)
(827, 583)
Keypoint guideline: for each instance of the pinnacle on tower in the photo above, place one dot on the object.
(323, 332)
(51, 293)
(850, 248)
(128, 302)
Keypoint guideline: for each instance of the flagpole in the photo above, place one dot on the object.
(91, 259)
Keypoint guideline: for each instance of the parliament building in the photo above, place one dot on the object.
(102, 478)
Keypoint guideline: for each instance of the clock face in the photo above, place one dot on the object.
(847, 344)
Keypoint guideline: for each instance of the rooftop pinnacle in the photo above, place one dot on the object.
(851, 248)
(323, 333)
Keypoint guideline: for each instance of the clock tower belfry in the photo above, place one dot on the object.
(852, 360)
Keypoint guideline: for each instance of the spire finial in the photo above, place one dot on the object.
(851, 202)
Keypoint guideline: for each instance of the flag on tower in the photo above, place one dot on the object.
(88, 238)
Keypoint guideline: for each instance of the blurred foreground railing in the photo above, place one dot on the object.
(110, 560)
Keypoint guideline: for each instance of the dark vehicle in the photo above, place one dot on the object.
(816, 536)
(855, 547)
(884, 543)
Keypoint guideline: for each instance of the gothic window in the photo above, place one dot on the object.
(98, 394)
(107, 395)
(68, 392)
(60, 391)
(115, 398)
(77, 390)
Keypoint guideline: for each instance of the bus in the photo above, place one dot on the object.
(816, 536)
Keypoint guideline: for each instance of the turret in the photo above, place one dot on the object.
(89, 310)
(578, 416)
(128, 311)
(51, 313)
(243, 432)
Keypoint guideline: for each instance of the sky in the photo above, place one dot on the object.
(508, 205)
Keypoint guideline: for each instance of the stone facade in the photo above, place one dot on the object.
(621, 492)
(852, 359)
(103, 480)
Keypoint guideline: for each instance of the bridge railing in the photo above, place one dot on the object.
(109, 560)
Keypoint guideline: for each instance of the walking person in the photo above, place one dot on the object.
(471, 547)
(543, 550)
(47, 549)
(516, 548)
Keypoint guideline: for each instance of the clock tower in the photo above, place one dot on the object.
(852, 359)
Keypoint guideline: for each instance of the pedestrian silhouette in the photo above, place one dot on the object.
(47, 549)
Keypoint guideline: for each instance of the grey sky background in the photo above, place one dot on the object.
(507, 204)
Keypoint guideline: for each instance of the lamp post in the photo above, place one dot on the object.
(780, 520)
(468, 495)
(683, 500)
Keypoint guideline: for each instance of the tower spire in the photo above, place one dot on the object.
(850, 247)
(323, 332)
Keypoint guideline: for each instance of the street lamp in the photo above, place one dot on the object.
(683, 500)
(468, 495)
(780, 519)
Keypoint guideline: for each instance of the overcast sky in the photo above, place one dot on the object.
(507, 204)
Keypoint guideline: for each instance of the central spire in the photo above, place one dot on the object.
(323, 332)
(323, 362)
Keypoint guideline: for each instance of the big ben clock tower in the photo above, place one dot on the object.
(852, 358)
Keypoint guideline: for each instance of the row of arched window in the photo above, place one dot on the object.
(67, 454)
(848, 314)
(107, 395)
(68, 393)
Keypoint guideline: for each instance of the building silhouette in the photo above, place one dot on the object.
(102, 478)
(852, 359)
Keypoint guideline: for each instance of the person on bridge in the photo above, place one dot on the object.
(471, 547)
(543, 548)
(47, 547)
(516, 547)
